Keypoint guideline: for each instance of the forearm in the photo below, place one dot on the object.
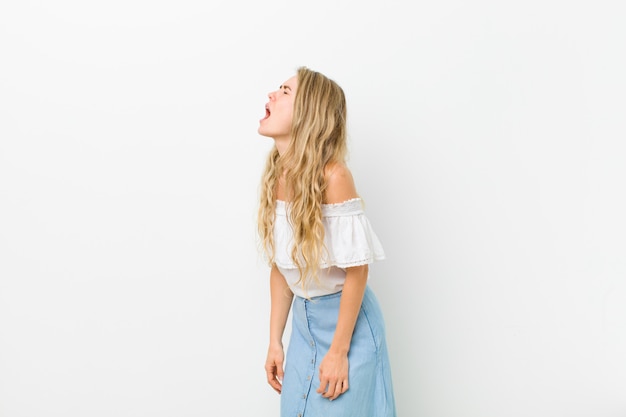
(281, 297)
(349, 307)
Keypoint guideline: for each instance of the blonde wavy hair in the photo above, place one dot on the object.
(318, 139)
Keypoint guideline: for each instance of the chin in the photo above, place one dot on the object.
(264, 131)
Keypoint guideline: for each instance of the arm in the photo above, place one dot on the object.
(334, 366)
(281, 297)
(349, 307)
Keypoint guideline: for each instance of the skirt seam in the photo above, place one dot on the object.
(369, 326)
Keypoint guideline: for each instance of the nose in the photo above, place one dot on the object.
(272, 95)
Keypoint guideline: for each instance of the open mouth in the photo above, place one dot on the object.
(267, 111)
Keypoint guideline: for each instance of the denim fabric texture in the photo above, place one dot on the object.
(370, 392)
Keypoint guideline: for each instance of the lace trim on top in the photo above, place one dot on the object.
(345, 208)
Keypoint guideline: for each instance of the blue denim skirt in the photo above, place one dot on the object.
(370, 392)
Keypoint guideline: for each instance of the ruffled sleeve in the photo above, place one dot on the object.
(349, 237)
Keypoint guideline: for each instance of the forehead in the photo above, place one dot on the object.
(291, 82)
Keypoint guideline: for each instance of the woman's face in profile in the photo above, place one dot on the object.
(279, 111)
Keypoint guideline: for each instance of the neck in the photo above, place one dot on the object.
(281, 144)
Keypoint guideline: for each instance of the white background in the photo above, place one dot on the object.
(487, 140)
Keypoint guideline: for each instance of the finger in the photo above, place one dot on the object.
(275, 384)
(277, 388)
(338, 391)
(344, 386)
(273, 381)
(323, 385)
(270, 371)
(332, 386)
(280, 373)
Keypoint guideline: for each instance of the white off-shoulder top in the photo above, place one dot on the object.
(349, 241)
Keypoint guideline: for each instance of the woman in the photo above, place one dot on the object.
(319, 243)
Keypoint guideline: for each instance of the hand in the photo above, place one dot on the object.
(333, 375)
(274, 367)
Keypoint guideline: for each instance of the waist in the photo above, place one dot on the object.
(329, 281)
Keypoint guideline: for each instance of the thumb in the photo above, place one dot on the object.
(280, 373)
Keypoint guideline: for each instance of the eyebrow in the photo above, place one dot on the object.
(285, 87)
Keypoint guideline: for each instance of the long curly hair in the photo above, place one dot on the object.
(318, 138)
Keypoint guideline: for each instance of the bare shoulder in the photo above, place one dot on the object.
(340, 185)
